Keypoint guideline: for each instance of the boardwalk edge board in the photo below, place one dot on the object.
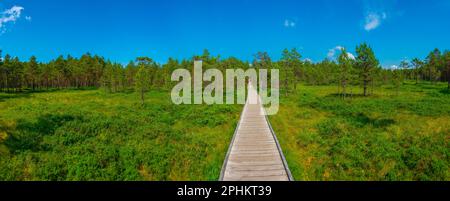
(285, 164)
(230, 147)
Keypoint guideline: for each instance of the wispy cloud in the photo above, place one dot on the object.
(351, 56)
(10, 16)
(376, 12)
(332, 53)
(393, 67)
(28, 18)
(308, 60)
(373, 20)
(289, 23)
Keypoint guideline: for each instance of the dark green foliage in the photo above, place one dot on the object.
(386, 137)
(98, 136)
(329, 128)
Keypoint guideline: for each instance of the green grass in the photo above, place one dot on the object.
(383, 137)
(90, 135)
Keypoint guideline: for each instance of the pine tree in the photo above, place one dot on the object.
(106, 77)
(31, 73)
(404, 66)
(397, 79)
(417, 65)
(291, 64)
(142, 83)
(345, 68)
(366, 63)
(433, 61)
(296, 68)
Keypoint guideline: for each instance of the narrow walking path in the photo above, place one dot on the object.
(254, 153)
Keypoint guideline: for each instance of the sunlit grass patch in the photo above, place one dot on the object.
(387, 136)
(92, 135)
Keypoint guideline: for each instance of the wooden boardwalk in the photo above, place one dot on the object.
(254, 153)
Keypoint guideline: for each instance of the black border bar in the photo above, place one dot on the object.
(170, 190)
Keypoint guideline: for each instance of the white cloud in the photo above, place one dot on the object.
(339, 48)
(308, 60)
(10, 16)
(394, 67)
(15, 10)
(28, 18)
(351, 56)
(289, 23)
(373, 20)
(332, 53)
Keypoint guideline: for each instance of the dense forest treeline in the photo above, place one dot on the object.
(142, 74)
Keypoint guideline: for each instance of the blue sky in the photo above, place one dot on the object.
(123, 30)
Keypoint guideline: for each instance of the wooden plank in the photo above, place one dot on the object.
(258, 178)
(257, 173)
(256, 167)
(254, 154)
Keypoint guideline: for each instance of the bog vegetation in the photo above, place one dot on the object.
(89, 118)
(90, 135)
(392, 135)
